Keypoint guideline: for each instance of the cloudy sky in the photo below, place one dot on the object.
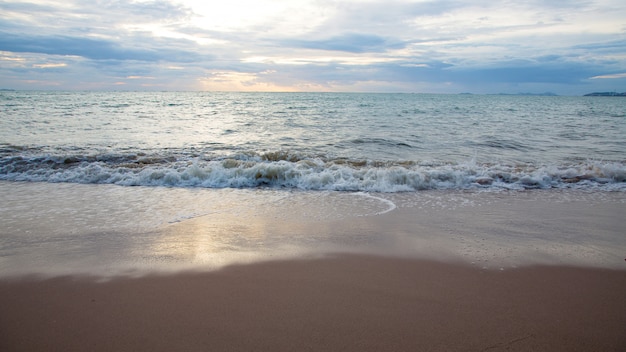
(568, 47)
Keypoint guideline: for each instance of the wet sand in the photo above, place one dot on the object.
(201, 279)
(339, 303)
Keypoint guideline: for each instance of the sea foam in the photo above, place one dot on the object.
(299, 172)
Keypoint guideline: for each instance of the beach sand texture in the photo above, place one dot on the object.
(310, 271)
(339, 303)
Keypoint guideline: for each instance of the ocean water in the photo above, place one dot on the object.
(126, 183)
(314, 141)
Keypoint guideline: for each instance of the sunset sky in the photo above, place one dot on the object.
(450, 46)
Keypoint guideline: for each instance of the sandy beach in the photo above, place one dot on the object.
(266, 270)
(342, 302)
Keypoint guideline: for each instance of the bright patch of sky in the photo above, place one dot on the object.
(449, 46)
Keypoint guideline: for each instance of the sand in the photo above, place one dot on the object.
(424, 271)
(336, 303)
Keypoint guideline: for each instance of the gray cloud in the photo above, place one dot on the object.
(100, 12)
(96, 49)
(89, 48)
(514, 73)
(613, 46)
(156, 10)
(453, 44)
(351, 42)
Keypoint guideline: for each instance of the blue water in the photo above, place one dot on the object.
(314, 141)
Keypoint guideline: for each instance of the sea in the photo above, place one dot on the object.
(95, 179)
(314, 141)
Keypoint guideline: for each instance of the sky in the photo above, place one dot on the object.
(447, 46)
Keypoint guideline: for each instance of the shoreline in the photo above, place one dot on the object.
(340, 302)
(51, 230)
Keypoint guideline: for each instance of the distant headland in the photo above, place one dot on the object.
(606, 94)
(546, 94)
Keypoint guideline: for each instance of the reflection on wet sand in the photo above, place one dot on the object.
(106, 230)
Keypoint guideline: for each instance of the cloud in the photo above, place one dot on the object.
(77, 14)
(90, 48)
(85, 47)
(50, 65)
(350, 42)
(611, 76)
(615, 46)
(393, 45)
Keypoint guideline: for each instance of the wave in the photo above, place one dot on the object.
(381, 141)
(291, 170)
(500, 143)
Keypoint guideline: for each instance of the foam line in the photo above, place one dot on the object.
(392, 205)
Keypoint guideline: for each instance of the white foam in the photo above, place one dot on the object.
(317, 174)
(391, 205)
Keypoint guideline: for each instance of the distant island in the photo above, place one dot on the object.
(606, 94)
(546, 94)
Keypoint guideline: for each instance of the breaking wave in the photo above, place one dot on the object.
(290, 170)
